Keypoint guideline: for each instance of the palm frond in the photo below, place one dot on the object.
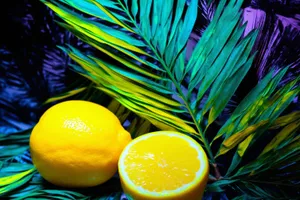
(163, 45)
(275, 168)
(241, 131)
(150, 74)
(147, 67)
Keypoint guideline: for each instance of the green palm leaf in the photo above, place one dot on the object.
(155, 87)
(163, 99)
(15, 176)
(143, 66)
(259, 117)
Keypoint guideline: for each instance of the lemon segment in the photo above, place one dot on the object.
(163, 165)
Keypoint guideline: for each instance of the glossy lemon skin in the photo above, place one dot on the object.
(77, 144)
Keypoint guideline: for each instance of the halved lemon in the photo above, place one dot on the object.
(163, 165)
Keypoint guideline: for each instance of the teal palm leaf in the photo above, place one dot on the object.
(144, 66)
(149, 74)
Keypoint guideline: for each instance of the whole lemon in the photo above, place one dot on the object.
(77, 144)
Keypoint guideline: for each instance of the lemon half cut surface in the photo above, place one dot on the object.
(163, 165)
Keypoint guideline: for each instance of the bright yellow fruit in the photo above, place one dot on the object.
(163, 165)
(77, 144)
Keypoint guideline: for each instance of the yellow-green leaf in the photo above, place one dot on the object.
(282, 136)
(106, 11)
(287, 119)
(92, 30)
(13, 178)
(237, 138)
(65, 95)
(160, 125)
(244, 145)
(129, 64)
(115, 107)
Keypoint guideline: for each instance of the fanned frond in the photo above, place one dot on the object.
(144, 63)
(163, 47)
(150, 73)
(275, 169)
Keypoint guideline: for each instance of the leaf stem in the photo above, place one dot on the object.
(217, 172)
